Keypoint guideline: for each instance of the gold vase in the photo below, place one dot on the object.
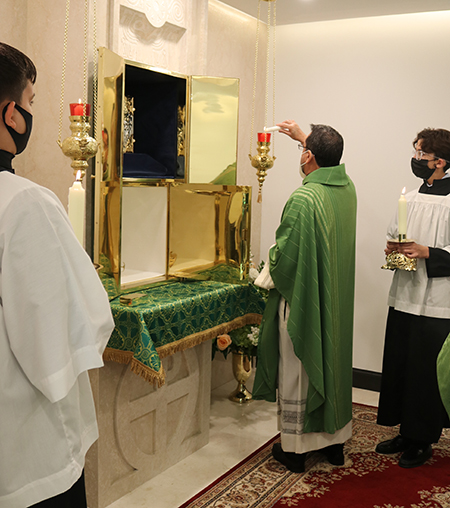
(242, 369)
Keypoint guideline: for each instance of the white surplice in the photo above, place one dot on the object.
(55, 321)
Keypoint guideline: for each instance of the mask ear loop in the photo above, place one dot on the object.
(4, 112)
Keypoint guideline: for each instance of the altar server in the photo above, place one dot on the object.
(306, 335)
(55, 321)
(419, 309)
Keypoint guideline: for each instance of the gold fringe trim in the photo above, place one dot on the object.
(115, 355)
(150, 375)
(126, 357)
(197, 338)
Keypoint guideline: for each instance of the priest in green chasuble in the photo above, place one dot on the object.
(305, 347)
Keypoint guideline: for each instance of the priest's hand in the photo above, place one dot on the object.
(291, 129)
(414, 250)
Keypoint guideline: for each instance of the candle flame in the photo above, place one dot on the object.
(404, 190)
(79, 101)
(78, 177)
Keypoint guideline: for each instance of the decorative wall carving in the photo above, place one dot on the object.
(142, 41)
(162, 33)
(159, 12)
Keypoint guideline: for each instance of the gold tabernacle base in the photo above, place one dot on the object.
(395, 260)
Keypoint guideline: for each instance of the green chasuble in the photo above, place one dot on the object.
(443, 374)
(313, 268)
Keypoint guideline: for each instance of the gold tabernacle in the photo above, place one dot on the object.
(170, 208)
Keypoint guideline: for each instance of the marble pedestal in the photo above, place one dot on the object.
(143, 429)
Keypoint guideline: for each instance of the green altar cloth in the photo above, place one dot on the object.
(175, 316)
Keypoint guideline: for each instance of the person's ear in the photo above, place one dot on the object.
(309, 156)
(441, 163)
(9, 113)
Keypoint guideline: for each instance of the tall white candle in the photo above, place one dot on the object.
(77, 209)
(402, 211)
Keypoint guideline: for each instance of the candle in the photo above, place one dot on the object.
(264, 137)
(76, 109)
(77, 208)
(275, 128)
(402, 209)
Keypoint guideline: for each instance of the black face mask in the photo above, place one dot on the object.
(421, 169)
(20, 140)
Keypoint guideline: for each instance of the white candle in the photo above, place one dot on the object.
(275, 128)
(77, 209)
(402, 211)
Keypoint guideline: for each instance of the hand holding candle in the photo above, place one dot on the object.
(402, 213)
(77, 208)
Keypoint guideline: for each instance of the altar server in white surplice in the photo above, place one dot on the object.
(55, 321)
(419, 309)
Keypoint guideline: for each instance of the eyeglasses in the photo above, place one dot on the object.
(419, 155)
(305, 149)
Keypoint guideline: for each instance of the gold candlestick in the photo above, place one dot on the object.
(80, 146)
(395, 260)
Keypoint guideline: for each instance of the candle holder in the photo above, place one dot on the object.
(263, 161)
(80, 146)
(397, 261)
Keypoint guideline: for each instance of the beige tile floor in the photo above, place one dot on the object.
(235, 432)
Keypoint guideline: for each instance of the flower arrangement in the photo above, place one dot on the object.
(243, 340)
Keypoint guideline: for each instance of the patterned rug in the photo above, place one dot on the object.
(367, 479)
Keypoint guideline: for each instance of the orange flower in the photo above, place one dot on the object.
(223, 341)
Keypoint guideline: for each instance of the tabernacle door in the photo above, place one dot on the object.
(209, 231)
(213, 124)
(108, 194)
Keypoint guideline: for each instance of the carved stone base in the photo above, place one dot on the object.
(143, 429)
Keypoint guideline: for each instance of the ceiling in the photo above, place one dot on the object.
(306, 11)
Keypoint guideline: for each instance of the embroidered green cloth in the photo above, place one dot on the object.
(175, 316)
(313, 267)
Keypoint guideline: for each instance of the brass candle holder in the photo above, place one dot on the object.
(262, 162)
(80, 146)
(397, 261)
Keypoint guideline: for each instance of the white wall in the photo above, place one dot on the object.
(378, 81)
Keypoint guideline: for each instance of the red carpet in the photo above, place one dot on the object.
(367, 480)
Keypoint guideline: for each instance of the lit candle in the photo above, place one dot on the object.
(80, 109)
(402, 210)
(263, 137)
(77, 208)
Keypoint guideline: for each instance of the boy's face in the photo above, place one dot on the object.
(27, 104)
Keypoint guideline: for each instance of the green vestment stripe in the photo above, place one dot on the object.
(313, 266)
(443, 374)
